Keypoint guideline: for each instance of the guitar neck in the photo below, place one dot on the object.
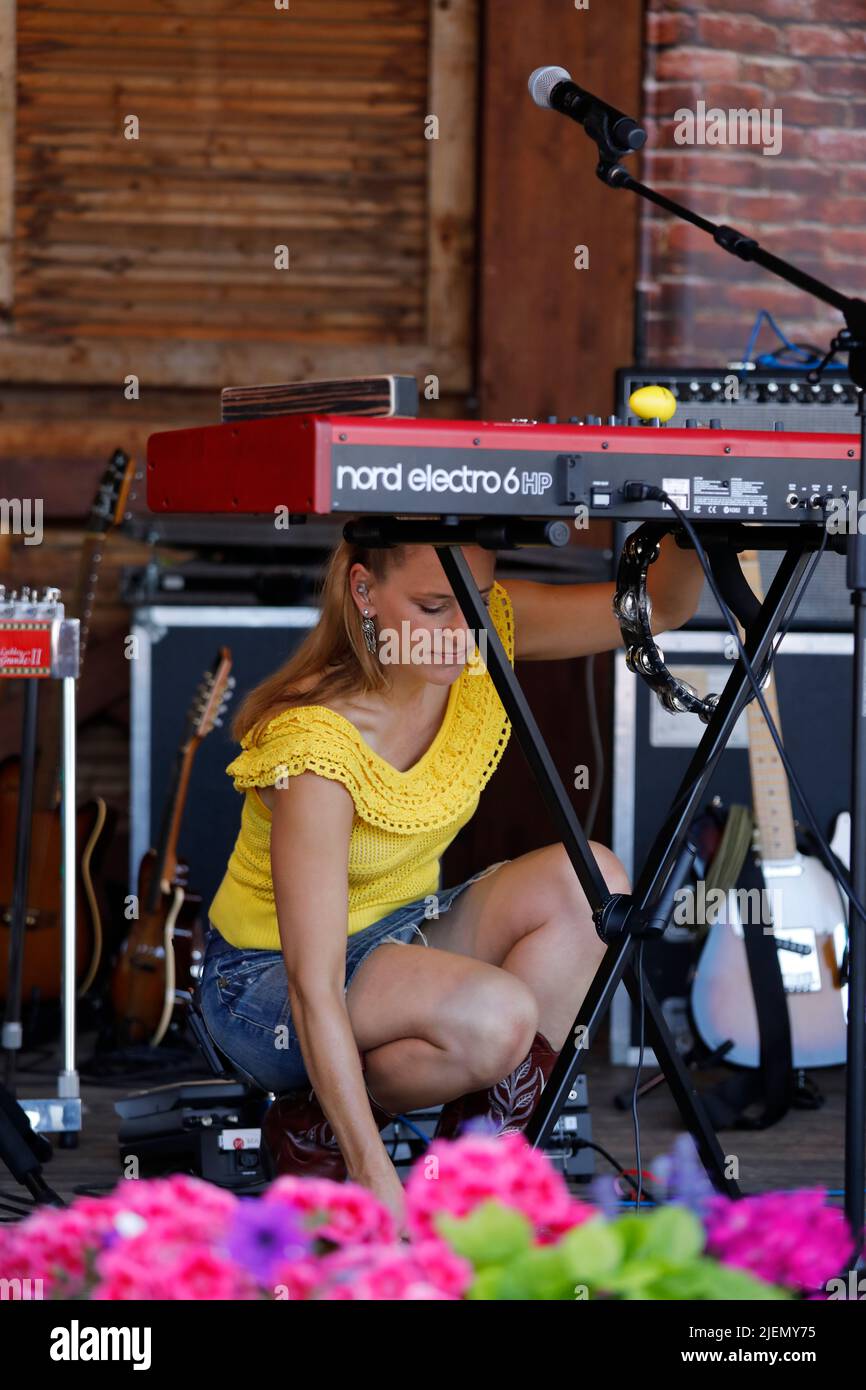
(166, 858)
(771, 795)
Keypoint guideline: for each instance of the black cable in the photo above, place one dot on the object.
(590, 1144)
(599, 770)
(650, 492)
(807, 579)
(635, 1119)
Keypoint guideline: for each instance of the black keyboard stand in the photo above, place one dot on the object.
(621, 919)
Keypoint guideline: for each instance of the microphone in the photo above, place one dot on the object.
(615, 133)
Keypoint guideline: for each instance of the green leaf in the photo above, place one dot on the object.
(593, 1251)
(542, 1273)
(492, 1234)
(673, 1234)
(632, 1231)
(636, 1275)
(487, 1285)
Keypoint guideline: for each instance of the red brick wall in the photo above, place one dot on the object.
(807, 203)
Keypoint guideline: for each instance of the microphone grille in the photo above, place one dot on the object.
(543, 81)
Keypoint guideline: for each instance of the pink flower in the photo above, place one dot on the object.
(392, 1273)
(160, 1264)
(455, 1177)
(788, 1238)
(295, 1281)
(344, 1213)
(55, 1245)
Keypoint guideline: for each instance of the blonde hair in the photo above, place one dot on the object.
(334, 650)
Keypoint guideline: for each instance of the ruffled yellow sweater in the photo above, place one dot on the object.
(404, 821)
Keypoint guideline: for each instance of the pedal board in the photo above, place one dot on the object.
(210, 1129)
(566, 1147)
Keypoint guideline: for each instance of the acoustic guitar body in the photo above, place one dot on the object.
(160, 960)
(156, 958)
(41, 972)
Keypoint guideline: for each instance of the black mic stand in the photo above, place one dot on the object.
(852, 339)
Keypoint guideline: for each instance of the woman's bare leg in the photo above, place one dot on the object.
(515, 954)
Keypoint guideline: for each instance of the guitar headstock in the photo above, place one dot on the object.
(211, 699)
(112, 495)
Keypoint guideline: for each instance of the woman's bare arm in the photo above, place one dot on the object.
(558, 621)
(310, 831)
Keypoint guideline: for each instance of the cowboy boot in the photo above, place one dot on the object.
(509, 1104)
(300, 1138)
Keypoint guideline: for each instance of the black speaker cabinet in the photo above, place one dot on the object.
(652, 749)
(175, 645)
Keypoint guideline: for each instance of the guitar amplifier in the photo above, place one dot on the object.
(749, 400)
(652, 749)
(761, 400)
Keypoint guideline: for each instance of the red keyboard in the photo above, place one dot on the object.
(339, 464)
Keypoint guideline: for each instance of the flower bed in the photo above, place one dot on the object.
(488, 1218)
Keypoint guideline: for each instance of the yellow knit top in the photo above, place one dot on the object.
(403, 821)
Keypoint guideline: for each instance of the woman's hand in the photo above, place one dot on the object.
(384, 1183)
(675, 583)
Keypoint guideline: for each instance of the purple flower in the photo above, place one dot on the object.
(263, 1236)
(604, 1194)
(681, 1177)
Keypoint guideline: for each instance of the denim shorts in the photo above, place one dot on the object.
(244, 992)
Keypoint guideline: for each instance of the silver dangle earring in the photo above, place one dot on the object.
(368, 627)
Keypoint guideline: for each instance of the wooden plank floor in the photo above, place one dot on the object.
(804, 1149)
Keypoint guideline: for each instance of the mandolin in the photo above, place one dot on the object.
(808, 920)
(155, 965)
(41, 972)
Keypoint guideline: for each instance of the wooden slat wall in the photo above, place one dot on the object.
(258, 128)
(551, 337)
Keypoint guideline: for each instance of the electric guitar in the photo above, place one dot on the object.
(41, 972)
(155, 965)
(808, 916)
